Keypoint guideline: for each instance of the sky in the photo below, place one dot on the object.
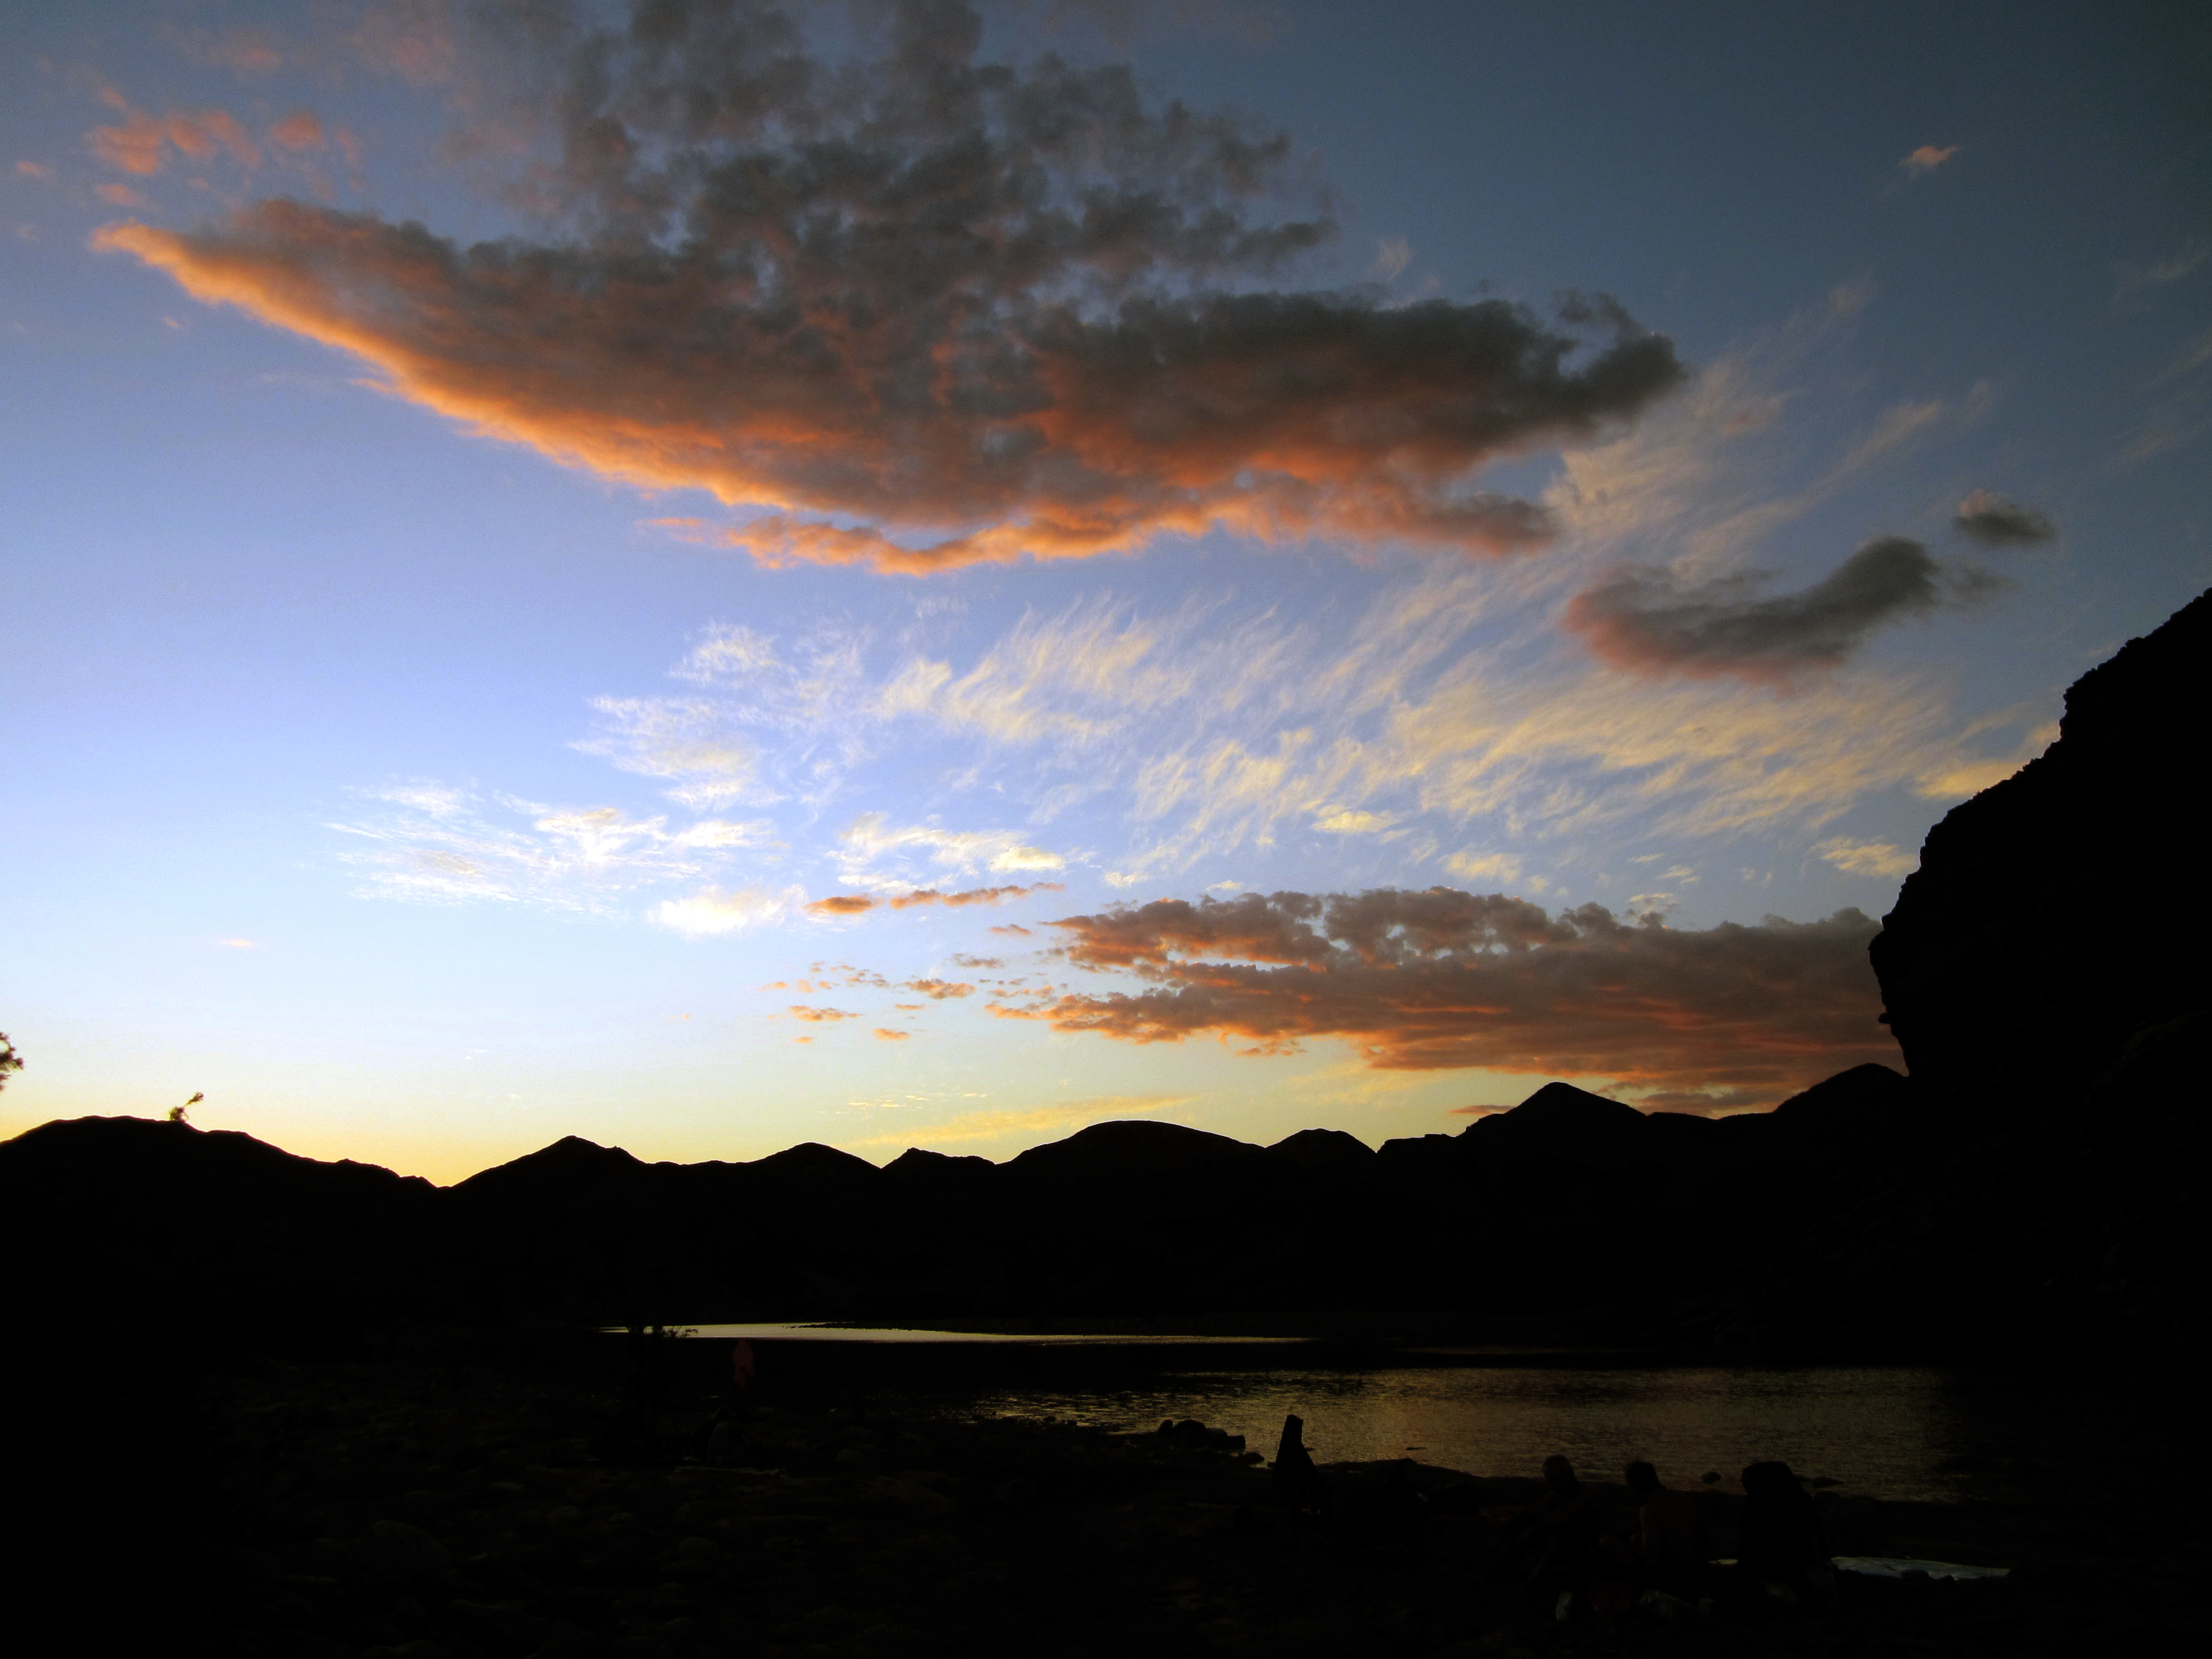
(713, 575)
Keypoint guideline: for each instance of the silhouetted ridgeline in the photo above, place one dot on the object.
(1124, 1219)
(2032, 1184)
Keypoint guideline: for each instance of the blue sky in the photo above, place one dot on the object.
(428, 744)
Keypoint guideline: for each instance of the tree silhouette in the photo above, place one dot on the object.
(10, 1059)
(177, 1113)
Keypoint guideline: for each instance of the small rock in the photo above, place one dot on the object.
(406, 1551)
(567, 1515)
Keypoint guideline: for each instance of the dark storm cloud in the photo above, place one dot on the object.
(1649, 621)
(1013, 309)
(1994, 521)
(1442, 978)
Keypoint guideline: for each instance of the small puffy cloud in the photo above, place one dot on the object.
(1352, 822)
(939, 990)
(1013, 930)
(885, 1035)
(298, 132)
(842, 904)
(818, 1016)
(121, 195)
(1443, 979)
(34, 170)
(1989, 519)
(1866, 857)
(1928, 158)
(710, 912)
(1651, 622)
(239, 943)
(987, 312)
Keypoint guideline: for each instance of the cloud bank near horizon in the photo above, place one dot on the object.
(930, 294)
(1445, 978)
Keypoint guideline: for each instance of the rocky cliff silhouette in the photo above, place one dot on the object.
(2035, 1174)
(2036, 941)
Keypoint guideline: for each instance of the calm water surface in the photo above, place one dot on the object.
(1890, 1432)
(2081, 1432)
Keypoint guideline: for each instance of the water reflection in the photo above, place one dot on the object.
(1887, 1431)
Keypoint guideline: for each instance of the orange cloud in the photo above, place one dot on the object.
(937, 990)
(34, 170)
(301, 131)
(892, 1036)
(800, 1010)
(1928, 158)
(1026, 332)
(853, 904)
(1444, 979)
(121, 195)
(141, 144)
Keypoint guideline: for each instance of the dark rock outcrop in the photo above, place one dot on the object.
(2024, 955)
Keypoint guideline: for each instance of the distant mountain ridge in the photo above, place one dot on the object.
(1121, 1218)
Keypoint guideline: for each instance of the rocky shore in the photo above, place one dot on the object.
(426, 1509)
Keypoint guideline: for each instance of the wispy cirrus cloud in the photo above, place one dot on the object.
(991, 312)
(711, 912)
(1866, 857)
(436, 843)
(856, 904)
(872, 841)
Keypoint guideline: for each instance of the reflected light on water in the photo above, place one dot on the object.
(1883, 1430)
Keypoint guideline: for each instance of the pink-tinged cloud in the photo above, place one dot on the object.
(937, 990)
(1928, 158)
(121, 195)
(34, 170)
(141, 144)
(989, 313)
(301, 131)
(1445, 978)
(854, 904)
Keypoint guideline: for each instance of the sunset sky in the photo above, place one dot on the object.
(710, 575)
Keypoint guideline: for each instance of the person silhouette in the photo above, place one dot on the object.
(1665, 1551)
(1780, 1542)
(1296, 1482)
